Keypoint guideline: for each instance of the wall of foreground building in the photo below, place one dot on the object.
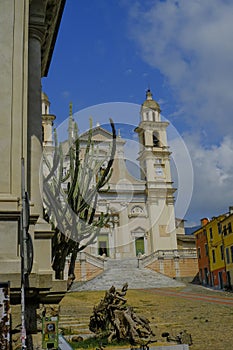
(28, 31)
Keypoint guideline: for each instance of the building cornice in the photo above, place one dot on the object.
(151, 125)
(44, 22)
(54, 11)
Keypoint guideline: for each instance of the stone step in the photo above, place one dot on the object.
(121, 263)
(118, 272)
(73, 321)
(75, 328)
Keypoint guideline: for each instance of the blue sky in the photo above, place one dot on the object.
(111, 51)
(96, 60)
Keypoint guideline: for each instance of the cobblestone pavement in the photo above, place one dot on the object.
(196, 292)
(205, 313)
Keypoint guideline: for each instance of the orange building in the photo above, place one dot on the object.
(203, 253)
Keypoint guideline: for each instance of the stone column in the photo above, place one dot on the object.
(42, 230)
(36, 34)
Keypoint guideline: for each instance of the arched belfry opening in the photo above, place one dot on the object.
(156, 141)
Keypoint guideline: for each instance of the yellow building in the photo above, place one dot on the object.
(227, 242)
(216, 251)
(214, 242)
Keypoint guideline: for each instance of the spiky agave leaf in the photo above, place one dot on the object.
(74, 212)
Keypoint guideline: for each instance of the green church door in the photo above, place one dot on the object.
(139, 245)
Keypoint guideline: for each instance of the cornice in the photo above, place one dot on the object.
(48, 117)
(151, 125)
(53, 15)
(44, 22)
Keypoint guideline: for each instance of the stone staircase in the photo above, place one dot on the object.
(117, 272)
(75, 319)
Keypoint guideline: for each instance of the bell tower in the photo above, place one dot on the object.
(154, 160)
(47, 122)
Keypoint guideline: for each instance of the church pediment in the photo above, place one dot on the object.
(137, 230)
(98, 134)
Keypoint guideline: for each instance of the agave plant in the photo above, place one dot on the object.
(70, 199)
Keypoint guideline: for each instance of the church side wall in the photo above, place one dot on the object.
(176, 267)
(85, 271)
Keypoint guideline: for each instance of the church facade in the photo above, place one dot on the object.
(142, 216)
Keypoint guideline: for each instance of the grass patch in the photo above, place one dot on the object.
(93, 343)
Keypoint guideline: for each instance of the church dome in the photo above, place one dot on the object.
(150, 103)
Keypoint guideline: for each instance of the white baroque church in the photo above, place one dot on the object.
(142, 210)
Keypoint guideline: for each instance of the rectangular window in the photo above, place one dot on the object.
(224, 231)
(222, 252)
(219, 228)
(213, 256)
(229, 227)
(206, 250)
(199, 252)
(204, 232)
(227, 256)
(211, 233)
(232, 253)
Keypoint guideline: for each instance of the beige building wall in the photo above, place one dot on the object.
(27, 37)
(13, 135)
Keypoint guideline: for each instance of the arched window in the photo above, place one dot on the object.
(156, 142)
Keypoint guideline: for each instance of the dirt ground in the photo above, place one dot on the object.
(206, 314)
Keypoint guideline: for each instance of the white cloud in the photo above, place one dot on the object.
(190, 42)
(213, 176)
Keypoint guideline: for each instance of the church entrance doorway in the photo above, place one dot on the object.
(139, 245)
(103, 245)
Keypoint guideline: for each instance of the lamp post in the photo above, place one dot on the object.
(23, 255)
(26, 253)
